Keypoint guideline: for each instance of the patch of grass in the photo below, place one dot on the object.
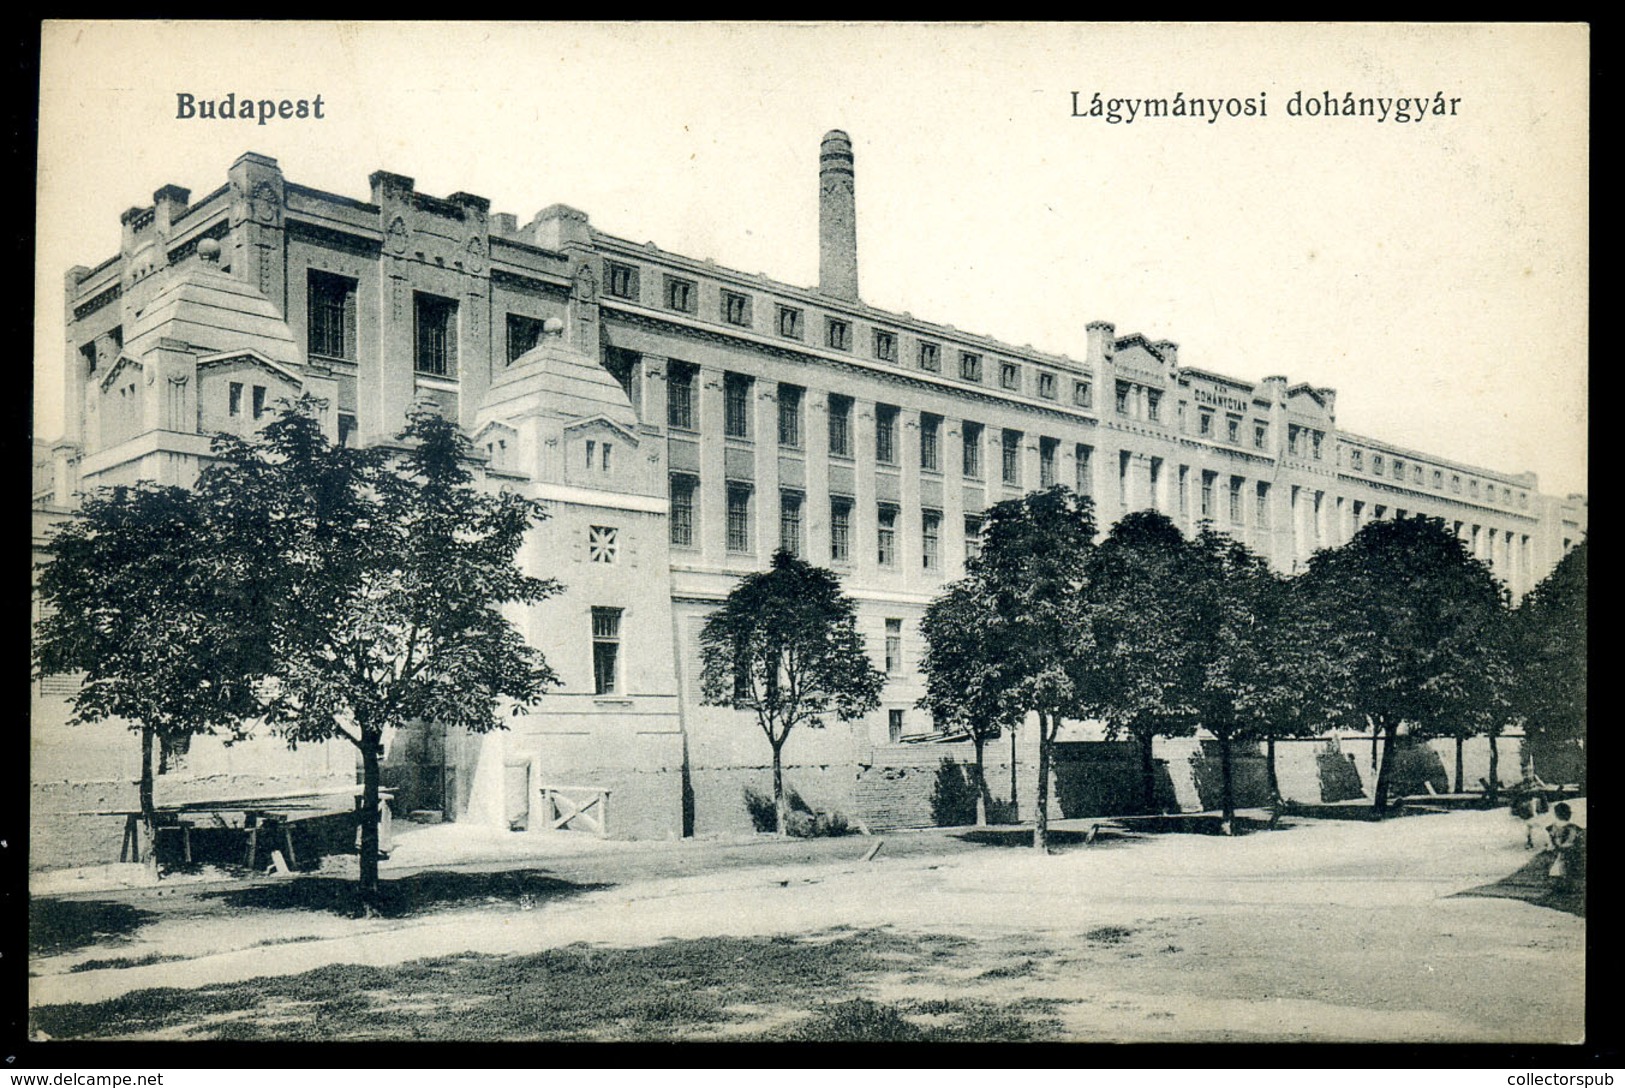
(1109, 934)
(1014, 970)
(302, 939)
(860, 1020)
(669, 990)
(138, 961)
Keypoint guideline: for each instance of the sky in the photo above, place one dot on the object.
(1435, 273)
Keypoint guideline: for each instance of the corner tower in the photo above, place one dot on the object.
(837, 218)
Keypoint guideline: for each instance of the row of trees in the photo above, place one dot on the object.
(302, 588)
(320, 592)
(1156, 635)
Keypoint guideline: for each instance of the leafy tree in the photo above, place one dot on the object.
(132, 600)
(785, 646)
(377, 579)
(1548, 646)
(1404, 610)
(1295, 661)
(1249, 661)
(968, 684)
(1031, 575)
(1143, 672)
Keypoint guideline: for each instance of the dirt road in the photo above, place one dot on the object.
(1327, 931)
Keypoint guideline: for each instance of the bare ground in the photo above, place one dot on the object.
(1325, 931)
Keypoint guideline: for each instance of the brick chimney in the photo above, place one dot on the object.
(837, 218)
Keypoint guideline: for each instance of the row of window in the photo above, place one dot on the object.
(1416, 473)
(682, 295)
(606, 656)
(331, 312)
(791, 399)
(740, 520)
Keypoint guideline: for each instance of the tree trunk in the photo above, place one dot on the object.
(1148, 775)
(371, 754)
(1379, 802)
(1041, 815)
(1460, 779)
(1495, 771)
(779, 814)
(1275, 783)
(981, 782)
(149, 814)
(1228, 785)
(1015, 806)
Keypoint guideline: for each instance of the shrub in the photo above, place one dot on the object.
(953, 795)
(802, 822)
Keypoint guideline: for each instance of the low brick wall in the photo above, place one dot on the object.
(63, 836)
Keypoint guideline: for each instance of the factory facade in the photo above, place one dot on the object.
(680, 421)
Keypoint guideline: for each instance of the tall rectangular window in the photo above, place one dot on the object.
(735, 308)
(886, 535)
(331, 304)
(930, 439)
(1124, 460)
(790, 322)
(790, 521)
(738, 518)
(1232, 429)
(973, 537)
(621, 279)
(1204, 422)
(1124, 391)
(259, 401)
(930, 539)
(885, 434)
(435, 325)
(837, 334)
(606, 650)
(627, 369)
(1261, 435)
(680, 379)
(1184, 491)
(840, 529)
(930, 357)
(790, 416)
(1046, 461)
(1046, 385)
(1235, 499)
(524, 333)
(972, 435)
(840, 426)
(1153, 405)
(970, 366)
(1207, 493)
(682, 510)
(736, 405)
(681, 294)
(1009, 376)
(235, 402)
(1263, 516)
(894, 647)
(1083, 469)
(1010, 457)
(894, 725)
(885, 346)
(1083, 394)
